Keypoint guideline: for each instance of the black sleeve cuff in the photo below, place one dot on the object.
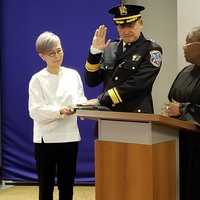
(104, 99)
(94, 58)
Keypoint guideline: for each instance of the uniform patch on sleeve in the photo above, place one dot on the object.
(155, 58)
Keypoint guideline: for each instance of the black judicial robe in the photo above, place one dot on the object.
(186, 90)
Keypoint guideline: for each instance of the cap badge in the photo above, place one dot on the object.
(123, 10)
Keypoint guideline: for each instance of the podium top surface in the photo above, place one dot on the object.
(137, 117)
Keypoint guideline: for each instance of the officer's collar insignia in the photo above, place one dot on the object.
(155, 58)
(136, 57)
(123, 10)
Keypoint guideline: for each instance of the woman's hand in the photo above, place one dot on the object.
(171, 109)
(67, 111)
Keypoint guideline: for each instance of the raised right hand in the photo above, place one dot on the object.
(99, 39)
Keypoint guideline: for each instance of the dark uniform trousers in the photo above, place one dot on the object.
(56, 160)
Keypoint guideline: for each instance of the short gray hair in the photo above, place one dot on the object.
(46, 41)
(194, 34)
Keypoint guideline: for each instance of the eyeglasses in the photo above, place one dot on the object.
(54, 53)
(191, 45)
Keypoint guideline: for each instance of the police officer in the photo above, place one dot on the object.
(127, 67)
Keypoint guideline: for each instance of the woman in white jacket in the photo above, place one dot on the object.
(53, 92)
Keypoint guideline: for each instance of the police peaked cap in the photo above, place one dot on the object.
(126, 13)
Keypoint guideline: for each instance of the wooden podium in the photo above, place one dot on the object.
(136, 155)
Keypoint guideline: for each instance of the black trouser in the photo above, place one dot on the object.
(56, 160)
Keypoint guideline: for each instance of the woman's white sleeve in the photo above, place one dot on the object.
(38, 110)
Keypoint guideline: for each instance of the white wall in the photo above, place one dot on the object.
(188, 16)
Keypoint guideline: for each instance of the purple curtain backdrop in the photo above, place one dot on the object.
(22, 21)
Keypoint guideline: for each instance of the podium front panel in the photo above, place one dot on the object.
(136, 160)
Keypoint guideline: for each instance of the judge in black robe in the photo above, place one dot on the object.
(184, 103)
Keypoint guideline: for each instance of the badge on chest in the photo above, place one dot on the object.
(136, 57)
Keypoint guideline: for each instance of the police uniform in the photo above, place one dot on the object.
(127, 74)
